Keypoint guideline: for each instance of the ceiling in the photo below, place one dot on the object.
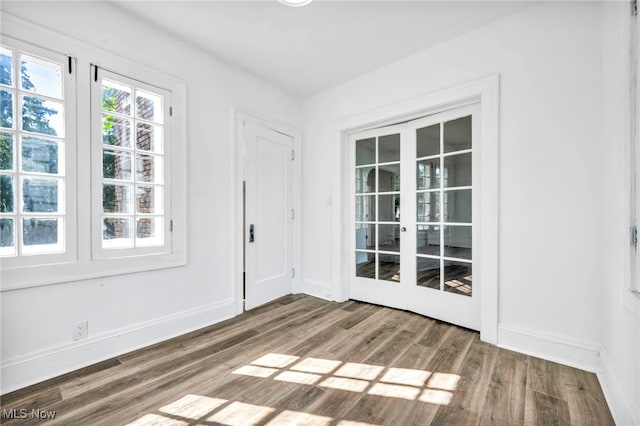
(305, 50)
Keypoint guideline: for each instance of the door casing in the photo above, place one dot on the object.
(485, 92)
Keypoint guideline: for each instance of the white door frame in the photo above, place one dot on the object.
(486, 92)
(239, 148)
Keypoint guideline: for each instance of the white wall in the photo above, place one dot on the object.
(620, 353)
(548, 57)
(132, 310)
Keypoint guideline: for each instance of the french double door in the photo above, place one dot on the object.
(412, 210)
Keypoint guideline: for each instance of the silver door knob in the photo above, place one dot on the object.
(403, 229)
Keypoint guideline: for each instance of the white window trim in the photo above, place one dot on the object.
(83, 264)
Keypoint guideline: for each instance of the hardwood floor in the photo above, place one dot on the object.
(301, 360)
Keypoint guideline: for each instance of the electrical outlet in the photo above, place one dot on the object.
(80, 330)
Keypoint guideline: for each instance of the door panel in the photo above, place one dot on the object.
(445, 206)
(376, 185)
(268, 215)
(414, 203)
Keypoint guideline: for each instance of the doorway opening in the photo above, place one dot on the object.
(483, 226)
(412, 199)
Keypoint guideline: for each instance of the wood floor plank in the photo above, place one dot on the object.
(505, 396)
(277, 333)
(207, 376)
(438, 330)
(377, 411)
(576, 387)
(203, 384)
(138, 378)
(373, 338)
(546, 377)
(355, 318)
(407, 334)
(379, 315)
(334, 403)
(390, 399)
(201, 380)
(301, 360)
(320, 324)
(349, 404)
(353, 305)
(542, 409)
(449, 356)
(440, 360)
(292, 316)
(264, 318)
(21, 396)
(42, 400)
(122, 407)
(468, 394)
(585, 399)
(415, 357)
(301, 398)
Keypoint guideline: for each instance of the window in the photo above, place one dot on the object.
(114, 203)
(36, 98)
(130, 140)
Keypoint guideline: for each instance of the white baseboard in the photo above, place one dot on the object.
(584, 356)
(624, 409)
(317, 289)
(33, 368)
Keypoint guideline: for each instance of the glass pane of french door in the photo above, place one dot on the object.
(443, 172)
(377, 207)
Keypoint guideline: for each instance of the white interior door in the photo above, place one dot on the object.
(268, 215)
(413, 212)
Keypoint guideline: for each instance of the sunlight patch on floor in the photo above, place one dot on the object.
(193, 406)
(386, 382)
(343, 383)
(434, 396)
(316, 365)
(406, 376)
(298, 377)
(359, 371)
(394, 391)
(295, 418)
(404, 383)
(201, 410)
(240, 413)
(276, 360)
(443, 381)
(256, 371)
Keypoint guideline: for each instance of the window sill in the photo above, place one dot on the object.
(41, 275)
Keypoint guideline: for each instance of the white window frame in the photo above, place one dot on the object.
(98, 249)
(67, 253)
(81, 262)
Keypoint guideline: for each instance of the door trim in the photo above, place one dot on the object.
(486, 92)
(239, 149)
